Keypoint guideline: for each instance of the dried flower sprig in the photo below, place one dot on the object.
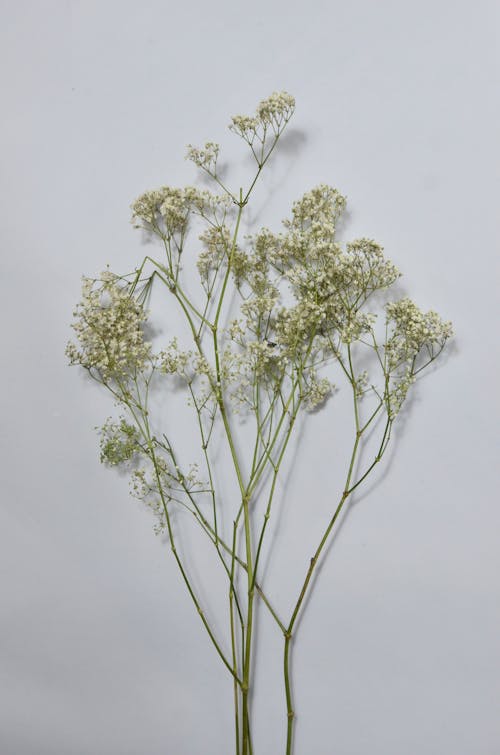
(305, 321)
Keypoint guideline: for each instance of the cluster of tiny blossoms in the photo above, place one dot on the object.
(109, 325)
(174, 361)
(119, 442)
(316, 390)
(303, 304)
(204, 157)
(329, 285)
(159, 484)
(276, 108)
(217, 244)
(193, 369)
(412, 331)
(271, 117)
(274, 112)
(167, 209)
(415, 339)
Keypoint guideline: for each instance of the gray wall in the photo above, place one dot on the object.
(397, 105)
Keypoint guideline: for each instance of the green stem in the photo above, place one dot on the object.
(273, 487)
(233, 646)
(347, 491)
(150, 445)
(245, 687)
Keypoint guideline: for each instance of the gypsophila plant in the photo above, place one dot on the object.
(272, 320)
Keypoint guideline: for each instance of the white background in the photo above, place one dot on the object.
(397, 106)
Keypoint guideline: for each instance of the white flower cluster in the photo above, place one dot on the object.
(399, 387)
(205, 157)
(316, 391)
(119, 442)
(236, 377)
(412, 331)
(217, 245)
(167, 203)
(169, 208)
(355, 324)
(317, 212)
(263, 358)
(276, 108)
(365, 269)
(253, 277)
(413, 334)
(236, 331)
(109, 326)
(245, 126)
(171, 485)
(329, 284)
(297, 326)
(144, 487)
(175, 361)
(260, 304)
(362, 383)
(274, 112)
(252, 362)
(192, 367)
